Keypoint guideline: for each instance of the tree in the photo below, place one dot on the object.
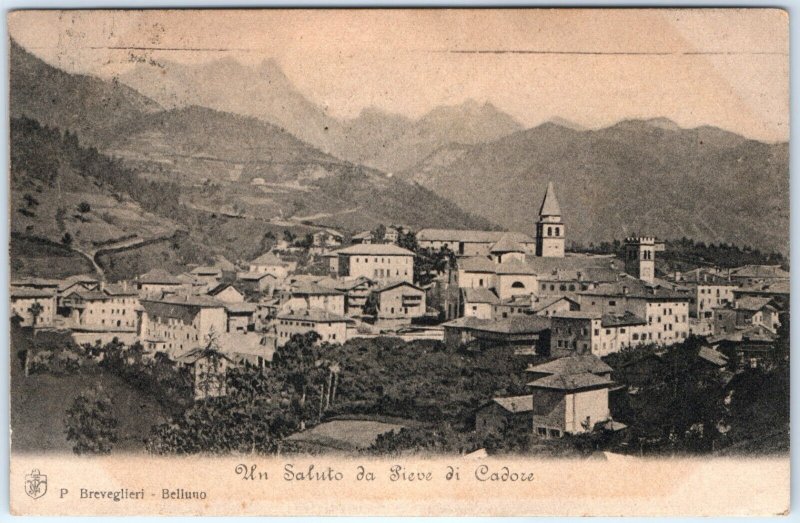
(36, 310)
(66, 240)
(288, 236)
(371, 305)
(90, 423)
(84, 207)
(379, 234)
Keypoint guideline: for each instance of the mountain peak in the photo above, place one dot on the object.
(663, 123)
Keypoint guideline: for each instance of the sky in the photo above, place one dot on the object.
(723, 67)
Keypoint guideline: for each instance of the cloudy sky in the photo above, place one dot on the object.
(722, 67)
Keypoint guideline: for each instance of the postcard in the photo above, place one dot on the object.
(399, 262)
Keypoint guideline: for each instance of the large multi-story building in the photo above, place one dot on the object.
(178, 324)
(314, 296)
(470, 243)
(382, 263)
(332, 328)
(579, 333)
(33, 305)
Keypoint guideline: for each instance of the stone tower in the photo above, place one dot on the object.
(640, 257)
(550, 231)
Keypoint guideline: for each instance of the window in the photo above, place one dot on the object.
(517, 285)
(557, 231)
(612, 303)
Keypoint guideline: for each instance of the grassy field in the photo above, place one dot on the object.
(37, 257)
(40, 401)
(345, 435)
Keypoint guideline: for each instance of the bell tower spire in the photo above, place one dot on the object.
(550, 230)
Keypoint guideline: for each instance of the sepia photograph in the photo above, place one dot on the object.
(455, 246)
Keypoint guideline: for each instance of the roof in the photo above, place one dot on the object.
(90, 295)
(221, 287)
(392, 285)
(22, 292)
(363, 235)
(480, 295)
(712, 356)
(470, 236)
(702, 276)
(254, 275)
(572, 365)
(269, 259)
(516, 404)
(577, 381)
(206, 270)
(313, 315)
(34, 282)
(240, 307)
(514, 267)
(506, 244)
(634, 288)
(159, 277)
(120, 289)
(515, 325)
(476, 264)
(550, 205)
(193, 355)
(578, 315)
(378, 249)
(547, 302)
(246, 344)
(759, 271)
(622, 320)
(753, 303)
(307, 288)
(188, 301)
(79, 279)
(776, 287)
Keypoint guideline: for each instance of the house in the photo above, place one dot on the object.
(102, 315)
(269, 263)
(756, 274)
(383, 263)
(548, 307)
(157, 282)
(470, 243)
(37, 283)
(247, 349)
(514, 306)
(315, 296)
(241, 316)
(27, 301)
(257, 282)
(499, 413)
(208, 369)
(570, 397)
(209, 275)
(356, 291)
(226, 292)
(590, 332)
(191, 285)
(565, 281)
(392, 234)
(777, 290)
(178, 324)
(332, 328)
(363, 238)
(326, 239)
(708, 291)
(666, 311)
(399, 301)
(747, 311)
(88, 283)
(478, 302)
(522, 335)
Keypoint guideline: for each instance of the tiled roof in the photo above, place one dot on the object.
(633, 288)
(206, 271)
(119, 289)
(759, 271)
(23, 292)
(712, 356)
(221, 287)
(777, 287)
(188, 301)
(506, 244)
(480, 295)
(470, 236)
(254, 276)
(578, 315)
(516, 404)
(515, 325)
(476, 264)
(753, 303)
(159, 277)
(547, 302)
(310, 288)
(392, 285)
(577, 381)
(363, 235)
(240, 307)
(514, 267)
(34, 282)
(313, 315)
(572, 365)
(376, 249)
(269, 259)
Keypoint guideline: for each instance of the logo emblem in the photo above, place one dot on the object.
(35, 484)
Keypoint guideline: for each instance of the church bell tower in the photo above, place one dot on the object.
(550, 231)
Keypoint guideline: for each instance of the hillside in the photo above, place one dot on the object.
(634, 177)
(215, 157)
(388, 142)
(67, 194)
(79, 103)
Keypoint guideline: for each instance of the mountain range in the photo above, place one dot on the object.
(218, 128)
(385, 141)
(638, 176)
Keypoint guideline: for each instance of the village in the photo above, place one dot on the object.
(566, 315)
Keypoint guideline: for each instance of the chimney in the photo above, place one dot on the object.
(580, 275)
(625, 290)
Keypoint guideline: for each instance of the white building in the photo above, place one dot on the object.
(331, 327)
(22, 306)
(383, 263)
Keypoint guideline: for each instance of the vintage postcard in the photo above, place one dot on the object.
(399, 262)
